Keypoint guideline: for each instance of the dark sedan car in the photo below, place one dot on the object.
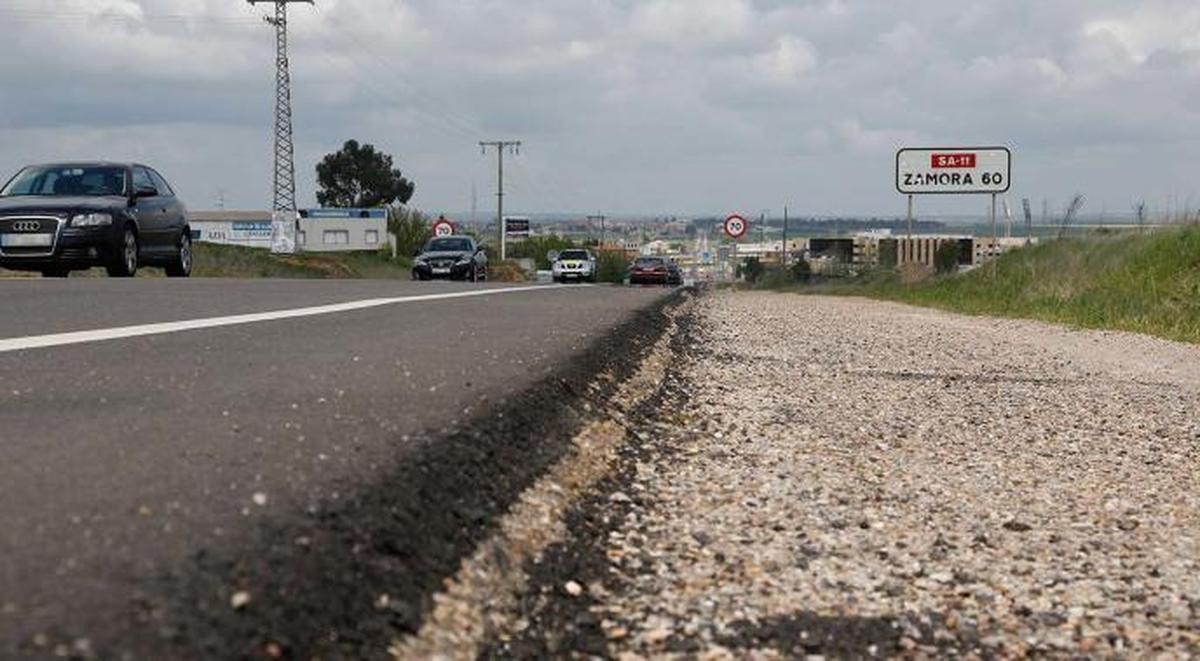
(58, 218)
(649, 271)
(674, 274)
(452, 258)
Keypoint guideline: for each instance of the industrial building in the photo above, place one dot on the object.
(880, 249)
(317, 230)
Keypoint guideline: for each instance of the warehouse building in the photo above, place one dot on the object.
(317, 230)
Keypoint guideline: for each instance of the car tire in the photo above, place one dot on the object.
(181, 264)
(124, 264)
(57, 272)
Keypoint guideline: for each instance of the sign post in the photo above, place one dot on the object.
(995, 238)
(443, 227)
(955, 171)
(735, 228)
(910, 216)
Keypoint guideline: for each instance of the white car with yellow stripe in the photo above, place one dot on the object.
(574, 266)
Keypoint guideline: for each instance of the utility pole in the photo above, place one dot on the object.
(600, 218)
(784, 257)
(474, 202)
(283, 216)
(514, 146)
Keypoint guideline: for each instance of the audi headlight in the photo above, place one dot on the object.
(91, 220)
(463, 261)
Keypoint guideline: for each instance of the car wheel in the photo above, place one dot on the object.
(124, 263)
(181, 263)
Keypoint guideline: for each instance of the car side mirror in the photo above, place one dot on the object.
(416, 253)
(145, 191)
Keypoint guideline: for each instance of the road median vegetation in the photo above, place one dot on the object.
(1140, 282)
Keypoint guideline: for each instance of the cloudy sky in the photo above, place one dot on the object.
(624, 106)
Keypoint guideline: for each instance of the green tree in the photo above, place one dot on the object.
(611, 266)
(945, 258)
(538, 247)
(358, 176)
(411, 229)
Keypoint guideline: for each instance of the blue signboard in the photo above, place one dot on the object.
(344, 213)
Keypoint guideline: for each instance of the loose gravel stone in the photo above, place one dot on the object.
(855, 478)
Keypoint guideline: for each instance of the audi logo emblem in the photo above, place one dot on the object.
(26, 226)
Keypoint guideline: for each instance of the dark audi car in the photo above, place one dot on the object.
(450, 257)
(62, 217)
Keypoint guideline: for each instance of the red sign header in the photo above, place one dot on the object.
(952, 161)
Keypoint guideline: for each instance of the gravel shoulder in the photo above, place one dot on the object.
(843, 477)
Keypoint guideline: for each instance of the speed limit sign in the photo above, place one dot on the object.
(443, 227)
(736, 226)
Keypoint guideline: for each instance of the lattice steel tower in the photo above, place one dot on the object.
(284, 206)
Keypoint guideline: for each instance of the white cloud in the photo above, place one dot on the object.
(696, 24)
(788, 63)
(624, 105)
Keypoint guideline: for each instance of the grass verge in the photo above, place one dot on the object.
(1145, 283)
(220, 261)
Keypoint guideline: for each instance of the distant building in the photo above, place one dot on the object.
(317, 230)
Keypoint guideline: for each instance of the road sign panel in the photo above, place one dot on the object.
(736, 226)
(516, 226)
(443, 228)
(954, 170)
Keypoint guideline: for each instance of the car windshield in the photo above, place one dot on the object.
(449, 245)
(573, 254)
(67, 180)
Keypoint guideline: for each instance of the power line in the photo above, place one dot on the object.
(283, 226)
(440, 108)
(113, 17)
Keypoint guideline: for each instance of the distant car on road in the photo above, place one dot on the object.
(674, 275)
(68, 216)
(574, 265)
(649, 271)
(452, 258)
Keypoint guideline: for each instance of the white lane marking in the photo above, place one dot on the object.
(103, 334)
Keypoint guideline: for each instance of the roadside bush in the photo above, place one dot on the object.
(411, 229)
(752, 270)
(537, 247)
(505, 271)
(611, 266)
(945, 258)
(801, 270)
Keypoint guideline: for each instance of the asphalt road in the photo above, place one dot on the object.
(123, 461)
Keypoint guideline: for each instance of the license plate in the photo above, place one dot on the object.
(440, 271)
(26, 240)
